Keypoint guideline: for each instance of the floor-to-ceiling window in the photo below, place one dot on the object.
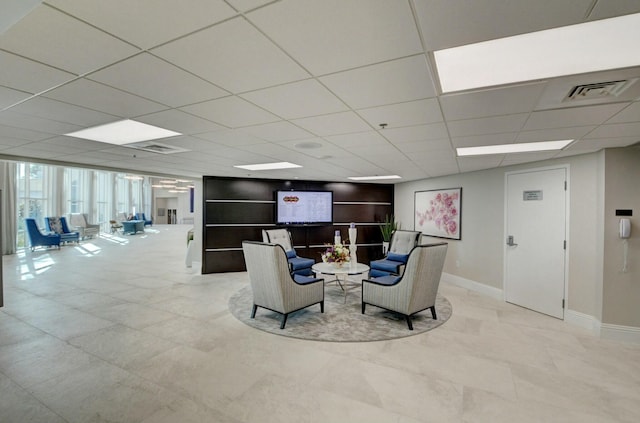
(78, 190)
(45, 190)
(103, 194)
(32, 199)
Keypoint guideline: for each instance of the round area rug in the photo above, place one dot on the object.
(340, 322)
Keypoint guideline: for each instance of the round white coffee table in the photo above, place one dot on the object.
(342, 274)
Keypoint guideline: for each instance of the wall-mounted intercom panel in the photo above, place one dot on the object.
(625, 228)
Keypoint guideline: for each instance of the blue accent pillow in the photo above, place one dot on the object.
(291, 253)
(303, 280)
(402, 258)
(387, 280)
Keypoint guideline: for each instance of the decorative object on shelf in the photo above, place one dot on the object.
(438, 212)
(387, 228)
(337, 255)
(353, 235)
(337, 238)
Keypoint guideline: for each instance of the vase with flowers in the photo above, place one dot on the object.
(336, 254)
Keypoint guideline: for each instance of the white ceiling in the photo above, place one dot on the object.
(255, 81)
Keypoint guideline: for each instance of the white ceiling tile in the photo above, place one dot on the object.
(607, 9)
(234, 56)
(577, 116)
(456, 22)
(26, 75)
(352, 33)
(77, 143)
(291, 101)
(277, 131)
(62, 112)
(333, 124)
(480, 140)
(9, 142)
(426, 145)
(32, 150)
(56, 39)
(14, 10)
(383, 155)
(471, 164)
(489, 125)
(96, 96)
(231, 137)
(25, 121)
(492, 102)
(180, 121)
(554, 134)
(416, 133)
(147, 23)
(9, 97)
(397, 81)
(630, 114)
(232, 112)
(323, 151)
(616, 130)
(403, 114)
(513, 159)
(595, 144)
(359, 141)
(246, 5)
(157, 80)
(22, 133)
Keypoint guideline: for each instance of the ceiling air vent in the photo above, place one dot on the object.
(156, 147)
(599, 90)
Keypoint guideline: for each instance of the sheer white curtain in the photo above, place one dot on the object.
(9, 229)
(55, 189)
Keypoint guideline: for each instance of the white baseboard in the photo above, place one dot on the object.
(582, 320)
(473, 286)
(585, 321)
(620, 333)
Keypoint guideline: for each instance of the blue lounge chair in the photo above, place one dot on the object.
(59, 226)
(37, 238)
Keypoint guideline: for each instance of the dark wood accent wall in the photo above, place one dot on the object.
(238, 209)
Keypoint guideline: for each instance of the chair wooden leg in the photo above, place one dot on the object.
(363, 306)
(433, 313)
(321, 306)
(409, 322)
(284, 320)
(253, 312)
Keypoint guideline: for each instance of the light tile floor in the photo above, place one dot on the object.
(117, 329)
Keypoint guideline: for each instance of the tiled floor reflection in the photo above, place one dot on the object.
(119, 330)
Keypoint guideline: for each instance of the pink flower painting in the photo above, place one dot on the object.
(438, 212)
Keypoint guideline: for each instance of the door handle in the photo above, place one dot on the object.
(510, 242)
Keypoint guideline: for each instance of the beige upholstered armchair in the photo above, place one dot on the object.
(393, 264)
(415, 290)
(274, 288)
(80, 222)
(297, 265)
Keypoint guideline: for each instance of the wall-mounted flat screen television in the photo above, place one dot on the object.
(304, 207)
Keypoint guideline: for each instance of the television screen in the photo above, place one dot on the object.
(304, 207)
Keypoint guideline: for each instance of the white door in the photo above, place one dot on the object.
(535, 240)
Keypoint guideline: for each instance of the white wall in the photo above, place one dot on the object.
(621, 290)
(479, 255)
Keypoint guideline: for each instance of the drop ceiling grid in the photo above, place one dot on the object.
(301, 79)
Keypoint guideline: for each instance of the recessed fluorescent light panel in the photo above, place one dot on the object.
(123, 132)
(589, 47)
(373, 178)
(268, 166)
(526, 147)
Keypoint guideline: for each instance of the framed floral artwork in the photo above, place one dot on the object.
(438, 212)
